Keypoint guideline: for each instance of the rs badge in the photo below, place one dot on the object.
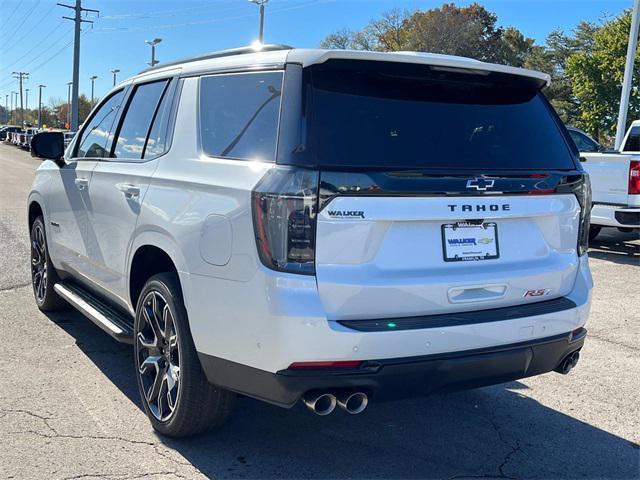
(542, 292)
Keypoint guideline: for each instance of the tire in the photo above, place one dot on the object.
(175, 393)
(594, 232)
(43, 273)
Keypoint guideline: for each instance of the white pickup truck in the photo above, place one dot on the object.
(615, 180)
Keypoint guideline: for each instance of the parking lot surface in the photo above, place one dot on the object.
(69, 404)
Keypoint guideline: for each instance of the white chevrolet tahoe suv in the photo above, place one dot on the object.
(325, 227)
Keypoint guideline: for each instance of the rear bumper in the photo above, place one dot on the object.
(615, 216)
(397, 378)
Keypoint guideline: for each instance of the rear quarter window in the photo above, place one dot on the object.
(239, 115)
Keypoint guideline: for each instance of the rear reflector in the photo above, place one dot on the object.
(324, 365)
(634, 177)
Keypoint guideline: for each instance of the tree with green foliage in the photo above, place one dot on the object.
(596, 75)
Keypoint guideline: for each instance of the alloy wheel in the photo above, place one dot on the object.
(39, 263)
(158, 356)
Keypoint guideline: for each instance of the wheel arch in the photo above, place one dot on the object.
(152, 253)
(34, 211)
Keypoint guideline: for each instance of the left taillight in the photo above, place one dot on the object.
(285, 204)
(634, 177)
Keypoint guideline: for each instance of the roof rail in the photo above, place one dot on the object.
(221, 53)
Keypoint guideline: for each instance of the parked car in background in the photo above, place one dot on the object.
(68, 136)
(28, 135)
(615, 182)
(585, 142)
(5, 133)
(318, 226)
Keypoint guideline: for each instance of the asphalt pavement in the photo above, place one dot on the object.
(69, 405)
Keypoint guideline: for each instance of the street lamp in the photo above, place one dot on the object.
(93, 79)
(6, 108)
(115, 72)
(40, 87)
(153, 44)
(69, 103)
(13, 105)
(26, 101)
(261, 4)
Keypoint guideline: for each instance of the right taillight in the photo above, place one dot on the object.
(285, 204)
(634, 177)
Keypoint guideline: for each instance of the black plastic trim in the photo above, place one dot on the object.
(628, 218)
(461, 318)
(397, 378)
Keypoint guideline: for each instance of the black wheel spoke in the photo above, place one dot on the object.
(39, 262)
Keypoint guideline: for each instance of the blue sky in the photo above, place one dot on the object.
(35, 39)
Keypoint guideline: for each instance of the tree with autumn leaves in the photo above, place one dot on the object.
(586, 64)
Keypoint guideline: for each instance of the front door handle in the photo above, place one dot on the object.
(130, 191)
(81, 183)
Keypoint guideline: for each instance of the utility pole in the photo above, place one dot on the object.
(13, 113)
(69, 102)
(153, 44)
(115, 72)
(40, 87)
(76, 56)
(21, 77)
(93, 79)
(261, 4)
(628, 74)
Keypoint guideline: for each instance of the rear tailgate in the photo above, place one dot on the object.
(609, 175)
(395, 256)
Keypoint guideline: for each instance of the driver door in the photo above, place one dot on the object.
(69, 205)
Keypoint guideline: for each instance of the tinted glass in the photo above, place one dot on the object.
(633, 141)
(157, 144)
(137, 120)
(584, 143)
(96, 134)
(379, 114)
(239, 115)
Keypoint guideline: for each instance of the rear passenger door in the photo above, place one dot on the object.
(120, 182)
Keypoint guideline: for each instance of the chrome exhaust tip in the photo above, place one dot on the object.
(353, 402)
(321, 404)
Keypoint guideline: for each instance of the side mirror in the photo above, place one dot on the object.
(48, 145)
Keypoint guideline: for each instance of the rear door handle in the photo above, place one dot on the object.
(130, 191)
(81, 183)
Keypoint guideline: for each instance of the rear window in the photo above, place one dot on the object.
(633, 141)
(392, 115)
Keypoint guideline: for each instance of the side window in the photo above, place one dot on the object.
(158, 141)
(95, 136)
(134, 127)
(633, 141)
(239, 114)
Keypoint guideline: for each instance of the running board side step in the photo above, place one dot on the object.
(114, 323)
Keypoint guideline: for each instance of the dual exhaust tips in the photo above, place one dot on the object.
(325, 403)
(567, 364)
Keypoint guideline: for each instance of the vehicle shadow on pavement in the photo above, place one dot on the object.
(493, 432)
(615, 246)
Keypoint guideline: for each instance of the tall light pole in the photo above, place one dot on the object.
(93, 79)
(261, 4)
(69, 103)
(628, 73)
(13, 105)
(26, 100)
(153, 44)
(6, 108)
(115, 72)
(40, 87)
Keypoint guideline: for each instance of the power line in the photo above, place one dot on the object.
(42, 18)
(158, 13)
(38, 44)
(15, 30)
(14, 11)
